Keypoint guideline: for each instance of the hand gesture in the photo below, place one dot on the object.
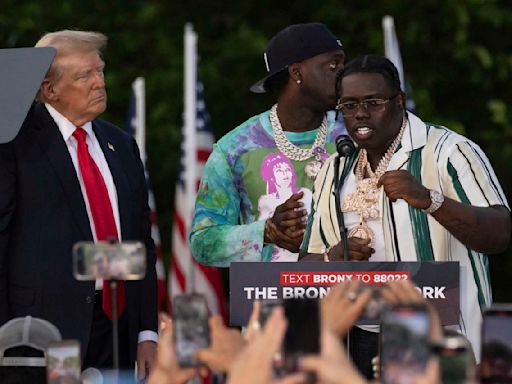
(291, 216)
(167, 369)
(341, 308)
(286, 227)
(402, 185)
(254, 363)
(225, 346)
(358, 250)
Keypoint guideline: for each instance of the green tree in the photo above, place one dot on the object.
(457, 57)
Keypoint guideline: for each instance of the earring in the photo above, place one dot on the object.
(299, 81)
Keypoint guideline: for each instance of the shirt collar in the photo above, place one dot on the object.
(415, 133)
(66, 127)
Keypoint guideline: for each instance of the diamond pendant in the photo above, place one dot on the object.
(362, 231)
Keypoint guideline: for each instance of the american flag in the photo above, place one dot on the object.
(135, 126)
(204, 280)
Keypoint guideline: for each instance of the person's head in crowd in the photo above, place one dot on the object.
(302, 62)
(23, 342)
(496, 360)
(75, 84)
(456, 357)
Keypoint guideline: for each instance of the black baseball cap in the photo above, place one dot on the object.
(294, 44)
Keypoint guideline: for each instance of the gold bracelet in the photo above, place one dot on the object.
(326, 254)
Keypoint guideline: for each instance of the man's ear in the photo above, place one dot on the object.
(401, 99)
(48, 90)
(295, 72)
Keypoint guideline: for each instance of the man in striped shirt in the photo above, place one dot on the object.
(412, 191)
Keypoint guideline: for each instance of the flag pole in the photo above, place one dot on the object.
(190, 145)
(392, 52)
(139, 90)
(391, 47)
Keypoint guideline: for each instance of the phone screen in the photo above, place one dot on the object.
(119, 261)
(303, 332)
(191, 328)
(496, 364)
(63, 362)
(404, 343)
(266, 308)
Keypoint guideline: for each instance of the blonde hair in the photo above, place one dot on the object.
(66, 42)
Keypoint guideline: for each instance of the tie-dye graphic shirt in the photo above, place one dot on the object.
(245, 179)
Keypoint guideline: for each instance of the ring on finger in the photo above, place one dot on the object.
(352, 296)
(255, 325)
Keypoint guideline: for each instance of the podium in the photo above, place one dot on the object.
(438, 282)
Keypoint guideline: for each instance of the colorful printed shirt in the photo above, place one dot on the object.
(441, 160)
(245, 178)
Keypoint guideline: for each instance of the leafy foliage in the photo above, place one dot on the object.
(457, 57)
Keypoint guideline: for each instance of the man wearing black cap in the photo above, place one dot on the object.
(255, 193)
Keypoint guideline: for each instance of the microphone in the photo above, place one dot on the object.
(344, 145)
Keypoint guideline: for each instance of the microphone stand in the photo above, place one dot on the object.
(341, 223)
(115, 327)
(339, 213)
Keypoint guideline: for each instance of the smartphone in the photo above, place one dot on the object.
(404, 346)
(63, 363)
(109, 261)
(455, 359)
(191, 328)
(266, 308)
(496, 362)
(303, 333)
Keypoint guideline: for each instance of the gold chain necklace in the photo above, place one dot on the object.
(366, 196)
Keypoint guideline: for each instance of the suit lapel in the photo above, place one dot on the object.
(108, 146)
(55, 148)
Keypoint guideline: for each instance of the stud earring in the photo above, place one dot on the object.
(299, 81)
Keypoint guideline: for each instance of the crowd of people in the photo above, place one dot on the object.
(254, 355)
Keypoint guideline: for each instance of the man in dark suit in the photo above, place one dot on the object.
(70, 177)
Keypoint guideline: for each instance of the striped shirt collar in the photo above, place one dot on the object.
(415, 134)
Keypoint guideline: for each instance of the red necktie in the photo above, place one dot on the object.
(101, 211)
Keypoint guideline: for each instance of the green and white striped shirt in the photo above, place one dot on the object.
(441, 160)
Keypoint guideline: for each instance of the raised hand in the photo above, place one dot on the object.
(341, 308)
(254, 362)
(226, 344)
(167, 369)
(402, 185)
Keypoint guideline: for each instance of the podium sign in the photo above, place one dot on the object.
(438, 282)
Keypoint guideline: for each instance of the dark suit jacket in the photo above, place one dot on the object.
(43, 213)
